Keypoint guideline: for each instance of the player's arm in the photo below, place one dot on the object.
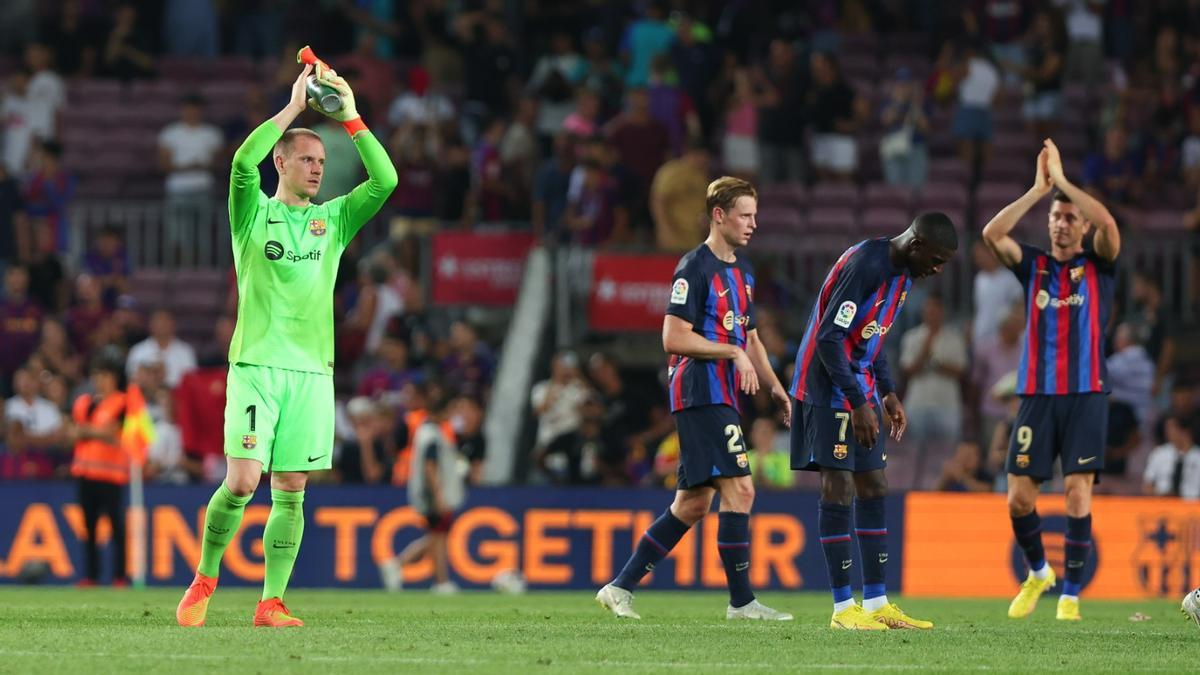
(681, 340)
(766, 374)
(995, 233)
(244, 180)
(848, 294)
(1107, 242)
(365, 200)
(891, 401)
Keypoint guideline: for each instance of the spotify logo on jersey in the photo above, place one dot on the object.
(273, 250)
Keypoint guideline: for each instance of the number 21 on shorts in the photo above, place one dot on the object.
(733, 439)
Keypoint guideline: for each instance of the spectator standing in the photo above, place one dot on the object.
(54, 353)
(552, 83)
(469, 365)
(933, 356)
(997, 353)
(19, 114)
(692, 60)
(677, 199)
(20, 323)
(1114, 172)
(585, 456)
(102, 462)
(176, 356)
(978, 83)
(1046, 64)
(550, 188)
(14, 225)
(739, 145)
(1085, 31)
(835, 112)
(1173, 468)
(770, 461)
(671, 105)
(905, 121)
(48, 192)
(645, 39)
(108, 262)
(466, 418)
(47, 91)
(199, 408)
(129, 48)
(188, 150)
(995, 291)
(365, 458)
(557, 401)
(74, 38)
(1151, 328)
(34, 425)
(190, 28)
(642, 142)
(783, 86)
(1130, 374)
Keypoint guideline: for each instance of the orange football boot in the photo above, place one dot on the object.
(193, 608)
(272, 613)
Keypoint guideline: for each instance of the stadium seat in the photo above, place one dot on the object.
(942, 196)
(783, 194)
(890, 196)
(781, 218)
(845, 195)
(880, 221)
(832, 219)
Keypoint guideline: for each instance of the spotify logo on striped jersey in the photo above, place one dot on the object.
(273, 250)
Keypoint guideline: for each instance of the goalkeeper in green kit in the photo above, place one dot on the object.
(279, 409)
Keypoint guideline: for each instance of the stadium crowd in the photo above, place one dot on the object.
(599, 125)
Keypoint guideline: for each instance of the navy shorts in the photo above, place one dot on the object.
(823, 438)
(711, 445)
(1073, 426)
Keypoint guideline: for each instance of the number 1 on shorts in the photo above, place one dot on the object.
(252, 411)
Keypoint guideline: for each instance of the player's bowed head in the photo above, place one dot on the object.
(927, 245)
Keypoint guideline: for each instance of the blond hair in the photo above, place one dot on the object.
(725, 191)
(283, 146)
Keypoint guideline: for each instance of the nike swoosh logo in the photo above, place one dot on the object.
(846, 564)
(880, 302)
(273, 222)
(1043, 271)
(742, 566)
(723, 293)
(313, 459)
(1085, 460)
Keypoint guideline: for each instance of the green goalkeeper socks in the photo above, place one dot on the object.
(221, 522)
(281, 540)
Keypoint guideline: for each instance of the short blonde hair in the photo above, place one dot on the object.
(725, 191)
(283, 146)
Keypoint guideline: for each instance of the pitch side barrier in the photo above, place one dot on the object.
(560, 538)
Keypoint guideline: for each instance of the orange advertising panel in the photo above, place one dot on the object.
(962, 545)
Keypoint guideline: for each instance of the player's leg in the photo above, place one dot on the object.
(116, 518)
(1084, 421)
(91, 521)
(693, 498)
(439, 549)
(733, 545)
(250, 416)
(303, 443)
(1030, 461)
(690, 505)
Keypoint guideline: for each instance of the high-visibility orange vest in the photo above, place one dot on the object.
(96, 459)
(413, 420)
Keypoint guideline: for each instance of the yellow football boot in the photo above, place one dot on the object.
(1068, 609)
(855, 617)
(893, 617)
(1026, 600)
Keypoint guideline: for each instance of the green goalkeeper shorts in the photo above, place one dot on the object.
(282, 418)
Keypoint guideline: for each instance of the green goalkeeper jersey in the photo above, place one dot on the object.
(287, 257)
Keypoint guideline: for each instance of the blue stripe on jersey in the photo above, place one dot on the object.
(1083, 329)
(1023, 367)
(1050, 347)
(710, 367)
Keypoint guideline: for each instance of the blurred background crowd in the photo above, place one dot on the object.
(594, 126)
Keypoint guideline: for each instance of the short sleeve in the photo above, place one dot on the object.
(689, 289)
(1024, 269)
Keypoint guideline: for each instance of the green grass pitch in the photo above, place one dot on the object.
(64, 630)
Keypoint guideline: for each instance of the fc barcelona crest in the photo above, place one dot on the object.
(316, 227)
(249, 441)
(1022, 461)
(1076, 274)
(742, 460)
(840, 451)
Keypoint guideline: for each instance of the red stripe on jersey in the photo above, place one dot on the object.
(1031, 334)
(1062, 352)
(743, 300)
(724, 336)
(679, 364)
(1093, 309)
(822, 304)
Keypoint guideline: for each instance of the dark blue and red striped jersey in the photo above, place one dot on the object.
(1067, 305)
(840, 363)
(717, 298)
